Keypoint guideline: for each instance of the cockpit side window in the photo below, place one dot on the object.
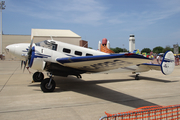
(47, 44)
(54, 47)
(37, 44)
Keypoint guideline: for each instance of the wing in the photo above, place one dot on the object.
(103, 62)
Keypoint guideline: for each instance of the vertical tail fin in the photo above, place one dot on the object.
(168, 63)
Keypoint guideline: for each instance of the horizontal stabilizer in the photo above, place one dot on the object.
(152, 66)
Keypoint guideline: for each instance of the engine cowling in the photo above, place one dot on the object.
(36, 60)
(38, 64)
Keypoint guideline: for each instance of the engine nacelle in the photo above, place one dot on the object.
(38, 64)
(38, 57)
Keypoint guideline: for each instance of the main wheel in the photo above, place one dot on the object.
(38, 76)
(45, 87)
(137, 77)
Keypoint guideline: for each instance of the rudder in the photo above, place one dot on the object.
(168, 63)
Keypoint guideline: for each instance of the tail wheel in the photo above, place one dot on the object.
(38, 76)
(47, 86)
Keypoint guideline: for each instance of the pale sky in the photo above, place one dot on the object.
(154, 22)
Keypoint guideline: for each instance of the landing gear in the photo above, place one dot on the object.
(38, 76)
(137, 77)
(78, 76)
(48, 84)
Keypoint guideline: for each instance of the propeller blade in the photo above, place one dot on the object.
(31, 42)
(29, 52)
(21, 63)
(25, 63)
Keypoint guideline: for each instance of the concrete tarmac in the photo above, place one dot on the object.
(82, 99)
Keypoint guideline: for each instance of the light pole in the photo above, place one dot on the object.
(2, 7)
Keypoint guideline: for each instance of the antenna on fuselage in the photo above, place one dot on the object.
(51, 37)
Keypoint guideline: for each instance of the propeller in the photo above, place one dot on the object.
(25, 63)
(27, 56)
(22, 63)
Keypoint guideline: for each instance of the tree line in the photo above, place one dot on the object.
(157, 50)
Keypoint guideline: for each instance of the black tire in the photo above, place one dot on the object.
(44, 85)
(78, 76)
(136, 77)
(38, 76)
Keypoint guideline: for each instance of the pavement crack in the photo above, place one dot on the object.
(9, 79)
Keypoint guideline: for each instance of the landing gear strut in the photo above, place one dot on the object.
(78, 76)
(38, 76)
(48, 84)
(137, 77)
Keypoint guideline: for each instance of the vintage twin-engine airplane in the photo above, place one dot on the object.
(63, 59)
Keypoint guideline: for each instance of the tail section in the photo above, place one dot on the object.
(166, 67)
(168, 63)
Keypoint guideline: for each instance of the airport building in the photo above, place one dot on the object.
(131, 43)
(66, 36)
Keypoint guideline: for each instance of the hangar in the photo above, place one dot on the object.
(40, 35)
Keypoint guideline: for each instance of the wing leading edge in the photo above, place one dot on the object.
(101, 63)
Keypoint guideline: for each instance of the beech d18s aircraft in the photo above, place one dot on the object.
(63, 59)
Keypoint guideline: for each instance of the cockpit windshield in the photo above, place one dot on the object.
(47, 44)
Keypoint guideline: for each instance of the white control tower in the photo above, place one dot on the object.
(131, 43)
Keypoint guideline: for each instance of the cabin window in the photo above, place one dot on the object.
(66, 50)
(54, 47)
(87, 54)
(78, 53)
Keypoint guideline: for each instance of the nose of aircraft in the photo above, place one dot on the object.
(11, 48)
(18, 49)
